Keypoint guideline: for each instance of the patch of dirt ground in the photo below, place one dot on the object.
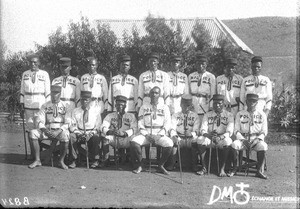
(48, 186)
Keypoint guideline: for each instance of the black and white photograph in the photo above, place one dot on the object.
(149, 104)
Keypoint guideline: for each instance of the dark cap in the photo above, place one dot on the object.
(175, 57)
(218, 97)
(154, 55)
(252, 97)
(187, 99)
(231, 61)
(121, 98)
(86, 94)
(256, 59)
(200, 57)
(31, 56)
(125, 58)
(55, 89)
(65, 61)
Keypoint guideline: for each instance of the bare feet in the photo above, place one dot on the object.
(261, 175)
(73, 165)
(35, 164)
(62, 165)
(138, 170)
(163, 170)
(222, 173)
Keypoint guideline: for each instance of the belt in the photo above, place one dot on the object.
(87, 129)
(199, 95)
(34, 93)
(176, 96)
(234, 105)
(67, 99)
(54, 129)
(130, 98)
(154, 127)
(246, 134)
(148, 95)
(96, 98)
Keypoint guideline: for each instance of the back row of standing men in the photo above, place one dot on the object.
(201, 85)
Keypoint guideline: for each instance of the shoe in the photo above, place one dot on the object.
(138, 170)
(72, 165)
(95, 164)
(163, 170)
(261, 175)
(202, 172)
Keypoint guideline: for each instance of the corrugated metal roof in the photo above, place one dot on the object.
(214, 26)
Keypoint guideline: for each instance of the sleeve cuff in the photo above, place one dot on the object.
(239, 136)
(194, 134)
(129, 132)
(261, 137)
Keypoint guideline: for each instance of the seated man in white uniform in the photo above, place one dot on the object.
(118, 127)
(216, 130)
(251, 128)
(185, 129)
(153, 124)
(52, 124)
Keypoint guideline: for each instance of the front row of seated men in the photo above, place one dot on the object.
(155, 125)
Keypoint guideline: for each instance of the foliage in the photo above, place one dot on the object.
(285, 109)
(84, 39)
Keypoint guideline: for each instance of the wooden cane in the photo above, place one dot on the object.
(24, 136)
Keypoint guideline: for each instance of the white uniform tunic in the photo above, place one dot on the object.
(178, 87)
(70, 91)
(250, 127)
(202, 88)
(127, 87)
(158, 125)
(185, 122)
(97, 84)
(35, 91)
(92, 123)
(224, 126)
(54, 117)
(127, 123)
(260, 85)
(148, 80)
(231, 90)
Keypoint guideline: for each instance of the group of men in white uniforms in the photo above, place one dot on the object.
(170, 107)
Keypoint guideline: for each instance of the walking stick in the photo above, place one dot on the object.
(150, 145)
(248, 150)
(24, 134)
(86, 145)
(116, 139)
(180, 168)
